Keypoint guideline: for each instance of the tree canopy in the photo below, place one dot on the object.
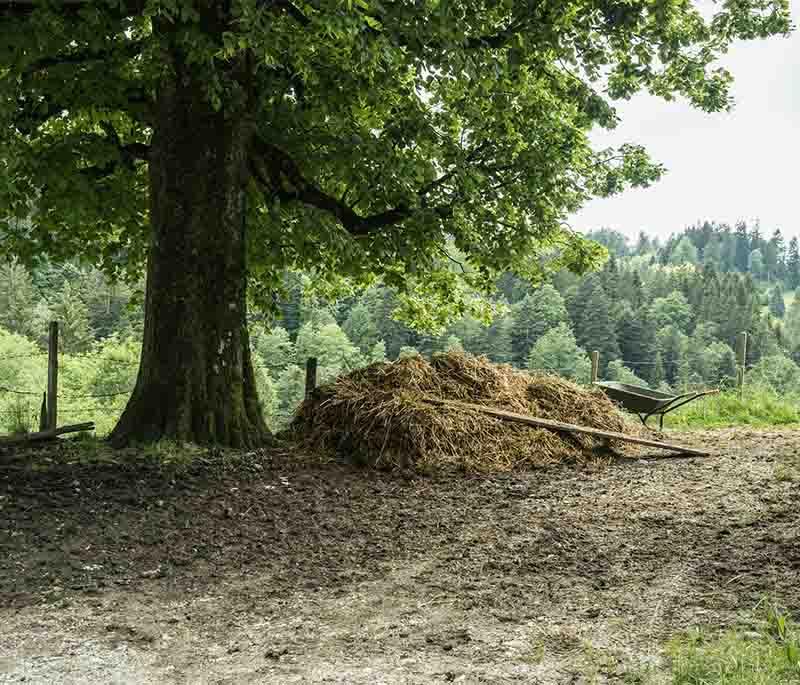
(380, 130)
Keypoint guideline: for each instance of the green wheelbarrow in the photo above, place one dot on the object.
(645, 402)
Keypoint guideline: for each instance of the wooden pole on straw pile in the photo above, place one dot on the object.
(595, 366)
(565, 427)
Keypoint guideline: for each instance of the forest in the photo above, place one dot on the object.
(661, 314)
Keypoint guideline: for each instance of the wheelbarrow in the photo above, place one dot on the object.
(645, 402)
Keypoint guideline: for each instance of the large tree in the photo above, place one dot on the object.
(222, 141)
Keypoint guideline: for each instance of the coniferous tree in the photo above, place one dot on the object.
(290, 305)
(730, 246)
(577, 301)
(635, 338)
(637, 291)
(658, 376)
(742, 247)
(791, 329)
(643, 244)
(274, 347)
(712, 253)
(610, 277)
(381, 302)
(649, 352)
(537, 313)
(702, 337)
(472, 334)
(721, 364)
(17, 300)
(793, 265)
(377, 353)
(360, 328)
(777, 306)
(756, 264)
(596, 329)
(500, 347)
(761, 340)
(105, 300)
(775, 257)
(615, 242)
(673, 346)
(70, 311)
(756, 240)
(684, 253)
(711, 301)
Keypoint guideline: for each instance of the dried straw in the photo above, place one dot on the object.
(378, 415)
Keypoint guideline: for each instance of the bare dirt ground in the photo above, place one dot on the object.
(274, 573)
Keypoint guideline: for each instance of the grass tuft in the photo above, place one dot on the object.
(767, 655)
(758, 407)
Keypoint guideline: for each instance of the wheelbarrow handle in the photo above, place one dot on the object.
(694, 394)
(685, 398)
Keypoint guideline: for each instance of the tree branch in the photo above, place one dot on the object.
(22, 8)
(276, 170)
(444, 178)
(34, 111)
(129, 151)
(499, 39)
(492, 41)
(287, 7)
(129, 49)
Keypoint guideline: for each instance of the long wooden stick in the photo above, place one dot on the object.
(46, 434)
(565, 427)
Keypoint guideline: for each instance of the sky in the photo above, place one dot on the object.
(723, 167)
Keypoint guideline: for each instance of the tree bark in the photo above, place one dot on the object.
(196, 380)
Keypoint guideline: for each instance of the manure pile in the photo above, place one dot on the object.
(377, 415)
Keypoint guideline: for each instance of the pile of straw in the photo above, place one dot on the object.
(378, 415)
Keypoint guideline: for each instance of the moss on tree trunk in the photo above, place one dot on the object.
(196, 380)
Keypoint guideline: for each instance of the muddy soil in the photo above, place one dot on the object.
(279, 573)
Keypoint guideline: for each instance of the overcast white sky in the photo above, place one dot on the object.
(741, 164)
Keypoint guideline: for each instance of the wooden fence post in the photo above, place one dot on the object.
(43, 413)
(741, 360)
(52, 376)
(311, 377)
(595, 365)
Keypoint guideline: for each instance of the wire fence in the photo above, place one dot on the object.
(26, 355)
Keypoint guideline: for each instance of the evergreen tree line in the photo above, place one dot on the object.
(653, 322)
(742, 249)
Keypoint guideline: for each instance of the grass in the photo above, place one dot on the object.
(758, 407)
(768, 653)
(788, 473)
(19, 418)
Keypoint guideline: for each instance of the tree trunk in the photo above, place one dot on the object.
(196, 380)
